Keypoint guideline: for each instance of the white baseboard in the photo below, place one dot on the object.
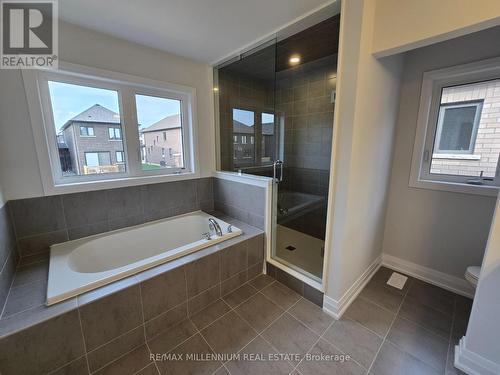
(441, 279)
(472, 363)
(336, 308)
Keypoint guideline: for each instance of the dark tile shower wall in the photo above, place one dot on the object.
(8, 253)
(304, 95)
(241, 201)
(41, 222)
(106, 326)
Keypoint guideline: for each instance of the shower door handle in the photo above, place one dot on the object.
(275, 165)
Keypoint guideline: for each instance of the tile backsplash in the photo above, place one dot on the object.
(241, 201)
(41, 222)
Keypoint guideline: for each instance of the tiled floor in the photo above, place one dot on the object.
(385, 331)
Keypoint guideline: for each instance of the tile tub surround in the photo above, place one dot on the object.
(8, 253)
(100, 326)
(41, 222)
(241, 201)
(295, 284)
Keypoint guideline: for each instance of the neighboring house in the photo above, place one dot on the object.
(472, 145)
(244, 144)
(161, 143)
(93, 141)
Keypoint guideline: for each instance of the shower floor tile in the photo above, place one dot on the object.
(307, 252)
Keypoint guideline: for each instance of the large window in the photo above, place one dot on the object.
(457, 143)
(89, 111)
(160, 125)
(109, 126)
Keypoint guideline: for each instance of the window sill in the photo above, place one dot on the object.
(456, 156)
(112, 183)
(454, 187)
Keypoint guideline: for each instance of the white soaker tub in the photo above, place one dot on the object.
(88, 263)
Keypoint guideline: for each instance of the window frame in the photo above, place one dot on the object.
(114, 138)
(427, 124)
(98, 159)
(122, 156)
(87, 127)
(127, 86)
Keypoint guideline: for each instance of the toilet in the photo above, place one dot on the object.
(472, 275)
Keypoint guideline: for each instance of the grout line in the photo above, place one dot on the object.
(187, 292)
(10, 288)
(138, 371)
(83, 339)
(144, 326)
(231, 309)
(115, 338)
(142, 314)
(256, 331)
(66, 364)
(116, 359)
(313, 345)
(19, 312)
(267, 341)
(390, 327)
(151, 352)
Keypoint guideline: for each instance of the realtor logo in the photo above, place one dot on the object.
(29, 34)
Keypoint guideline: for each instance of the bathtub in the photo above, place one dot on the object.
(88, 263)
(292, 204)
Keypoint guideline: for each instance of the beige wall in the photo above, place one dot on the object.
(365, 116)
(437, 229)
(402, 25)
(19, 170)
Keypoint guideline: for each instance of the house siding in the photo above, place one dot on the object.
(100, 142)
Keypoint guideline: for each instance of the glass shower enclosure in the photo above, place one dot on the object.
(275, 116)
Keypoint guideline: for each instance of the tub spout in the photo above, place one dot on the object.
(216, 226)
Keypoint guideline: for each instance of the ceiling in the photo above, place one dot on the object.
(204, 30)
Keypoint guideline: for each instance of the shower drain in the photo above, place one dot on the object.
(290, 248)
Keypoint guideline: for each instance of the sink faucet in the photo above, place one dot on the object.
(216, 226)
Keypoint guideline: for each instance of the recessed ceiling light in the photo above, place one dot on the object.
(216, 89)
(294, 60)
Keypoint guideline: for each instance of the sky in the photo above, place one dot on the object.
(70, 100)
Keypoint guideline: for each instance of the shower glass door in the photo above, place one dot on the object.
(276, 119)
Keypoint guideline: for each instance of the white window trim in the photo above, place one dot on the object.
(44, 132)
(433, 82)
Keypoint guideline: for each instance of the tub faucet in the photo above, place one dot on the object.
(216, 226)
